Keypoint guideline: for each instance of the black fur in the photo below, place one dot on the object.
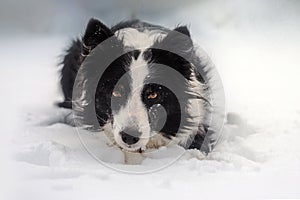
(71, 64)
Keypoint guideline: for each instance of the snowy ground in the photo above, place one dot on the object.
(44, 159)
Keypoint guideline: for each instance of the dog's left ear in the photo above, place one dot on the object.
(95, 33)
(179, 40)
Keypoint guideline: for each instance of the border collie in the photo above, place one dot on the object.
(154, 92)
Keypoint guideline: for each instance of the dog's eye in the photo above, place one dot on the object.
(152, 95)
(116, 93)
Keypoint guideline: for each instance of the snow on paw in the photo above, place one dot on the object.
(194, 153)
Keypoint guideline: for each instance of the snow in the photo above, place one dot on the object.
(43, 158)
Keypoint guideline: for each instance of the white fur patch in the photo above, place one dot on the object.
(139, 39)
(134, 113)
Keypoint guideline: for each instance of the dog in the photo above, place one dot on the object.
(134, 99)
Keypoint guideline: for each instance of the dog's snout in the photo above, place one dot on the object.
(130, 136)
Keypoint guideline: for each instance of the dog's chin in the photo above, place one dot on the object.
(131, 148)
(137, 148)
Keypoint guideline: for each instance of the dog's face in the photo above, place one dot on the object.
(133, 99)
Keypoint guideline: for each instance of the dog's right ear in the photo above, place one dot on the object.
(95, 33)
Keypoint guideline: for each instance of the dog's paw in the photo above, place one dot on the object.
(194, 153)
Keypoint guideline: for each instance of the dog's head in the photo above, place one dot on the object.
(147, 90)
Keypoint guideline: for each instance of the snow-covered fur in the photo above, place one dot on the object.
(132, 107)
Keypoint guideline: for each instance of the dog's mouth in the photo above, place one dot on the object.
(140, 150)
(137, 148)
(116, 139)
(154, 142)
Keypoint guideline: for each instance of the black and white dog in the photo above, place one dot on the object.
(154, 93)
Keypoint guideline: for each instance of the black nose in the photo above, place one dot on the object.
(130, 137)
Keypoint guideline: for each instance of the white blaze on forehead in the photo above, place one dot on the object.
(134, 113)
(139, 39)
(138, 72)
